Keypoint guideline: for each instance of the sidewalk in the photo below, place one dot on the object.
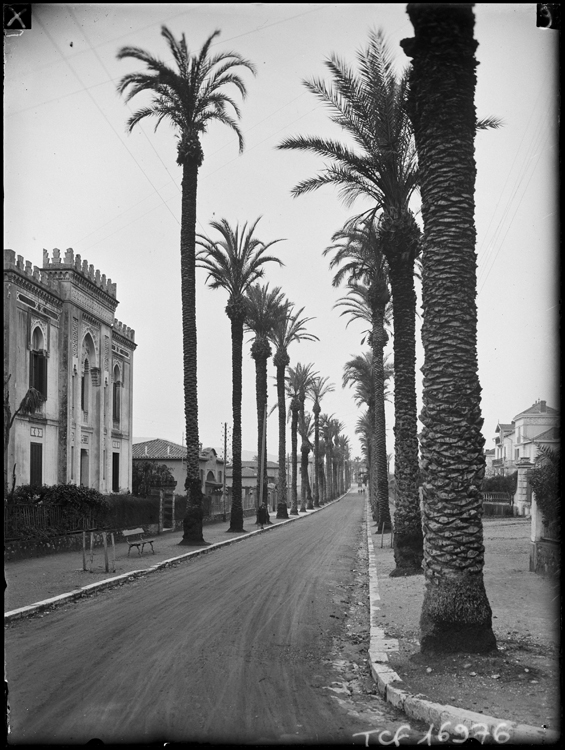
(42, 578)
(515, 690)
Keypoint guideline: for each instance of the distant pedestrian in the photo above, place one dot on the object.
(262, 515)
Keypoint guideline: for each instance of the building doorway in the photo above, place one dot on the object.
(84, 468)
(115, 472)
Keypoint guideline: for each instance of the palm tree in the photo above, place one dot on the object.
(358, 252)
(265, 308)
(190, 98)
(456, 613)
(370, 107)
(298, 382)
(306, 429)
(359, 372)
(289, 329)
(234, 262)
(319, 388)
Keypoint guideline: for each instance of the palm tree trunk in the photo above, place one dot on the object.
(236, 517)
(456, 614)
(304, 483)
(192, 522)
(261, 399)
(408, 539)
(281, 362)
(379, 446)
(316, 477)
(294, 460)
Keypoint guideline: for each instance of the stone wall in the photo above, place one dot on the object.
(545, 557)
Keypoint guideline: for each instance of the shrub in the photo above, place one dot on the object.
(127, 511)
(501, 483)
(544, 481)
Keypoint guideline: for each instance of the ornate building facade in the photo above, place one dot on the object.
(61, 337)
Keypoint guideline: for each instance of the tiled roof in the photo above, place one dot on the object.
(552, 434)
(161, 449)
(166, 450)
(540, 407)
(504, 427)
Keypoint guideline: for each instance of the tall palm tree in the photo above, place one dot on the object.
(359, 372)
(358, 255)
(306, 430)
(369, 105)
(298, 382)
(265, 308)
(291, 328)
(319, 388)
(234, 262)
(456, 614)
(190, 98)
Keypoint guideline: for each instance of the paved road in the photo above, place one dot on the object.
(232, 646)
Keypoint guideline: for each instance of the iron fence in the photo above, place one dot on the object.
(20, 518)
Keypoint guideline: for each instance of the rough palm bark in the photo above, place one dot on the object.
(192, 522)
(236, 313)
(261, 351)
(456, 614)
(400, 240)
(294, 412)
(378, 342)
(281, 361)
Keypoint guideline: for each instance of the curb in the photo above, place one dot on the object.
(92, 588)
(391, 687)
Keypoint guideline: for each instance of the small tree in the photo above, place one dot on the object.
(28, 405)
(144, 472)
(544, 481)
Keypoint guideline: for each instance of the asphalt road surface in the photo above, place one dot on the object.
(233, 646)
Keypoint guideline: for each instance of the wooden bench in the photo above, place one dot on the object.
(136, 538)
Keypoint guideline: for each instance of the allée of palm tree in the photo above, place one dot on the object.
(456, 614)
(189, 97)
(370, 106)
(234, 262)
(298, 382)
(265, 308)
(291, 328)
(319, 388)
(358, 253)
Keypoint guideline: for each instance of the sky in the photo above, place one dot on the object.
(74, 178)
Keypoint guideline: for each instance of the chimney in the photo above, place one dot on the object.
(542, 406)
(145, 450)
(168, 450)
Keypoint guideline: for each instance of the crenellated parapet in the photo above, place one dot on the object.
(34, 273)
(124, 330)
(70, 260)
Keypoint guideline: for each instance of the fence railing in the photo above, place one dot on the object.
(496, 497)
(17, 518)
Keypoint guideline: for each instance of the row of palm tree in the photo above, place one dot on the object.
(369, 106)
(404, 136)
(191, 96)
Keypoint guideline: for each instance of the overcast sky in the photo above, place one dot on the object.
(74, 178)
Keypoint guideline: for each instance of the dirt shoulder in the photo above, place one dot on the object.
(520, 681)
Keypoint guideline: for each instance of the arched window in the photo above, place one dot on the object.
(88, 361)
(38, 363)
(116, 397)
